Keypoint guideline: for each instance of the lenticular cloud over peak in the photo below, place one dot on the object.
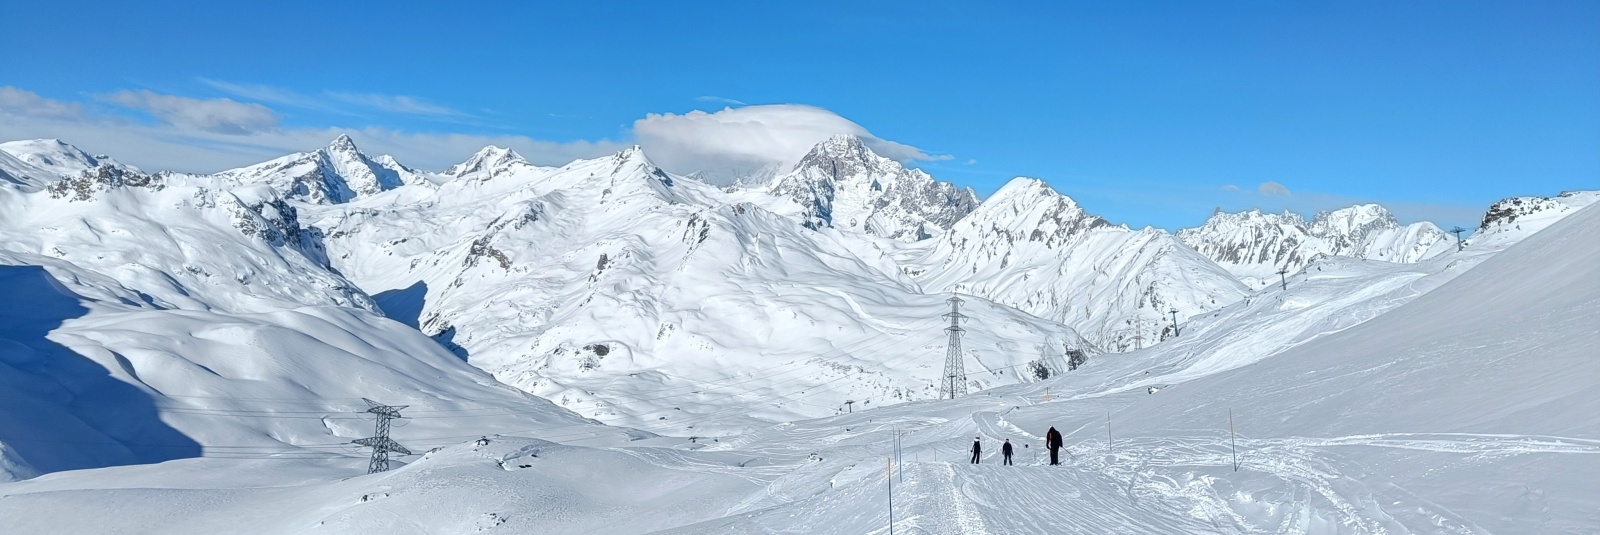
(736, 142)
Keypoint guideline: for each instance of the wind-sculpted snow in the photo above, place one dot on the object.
(1254, 246)
(605, 282)
(1037, 250)
(15, 173)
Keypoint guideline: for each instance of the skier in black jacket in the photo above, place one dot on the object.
(1005, 450)
(1052, 440)
(977, 449)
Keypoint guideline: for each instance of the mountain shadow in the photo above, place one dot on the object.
(60, 410)
(404, 304)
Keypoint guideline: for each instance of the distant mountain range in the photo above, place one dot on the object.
(598, 283)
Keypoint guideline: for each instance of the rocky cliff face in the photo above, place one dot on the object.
(843, 185)
(1254, 246)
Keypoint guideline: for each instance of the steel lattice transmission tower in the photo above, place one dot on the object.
(955, 374)
(380, 442)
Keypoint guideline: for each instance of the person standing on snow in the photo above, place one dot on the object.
(1052, 440)
(977, 449)
(1005, 450)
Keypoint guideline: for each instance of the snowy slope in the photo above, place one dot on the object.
(1387, 426)
(188, 242)
(1254, 245)
(843, 185)
(19, 174)
(1037, 250)
(605, 282)
(1460, 411)
(337, 173)
(1511, 220)
(159, 317)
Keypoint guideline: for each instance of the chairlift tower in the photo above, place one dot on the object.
(1458, 230)
(955, 374)
(380, 442)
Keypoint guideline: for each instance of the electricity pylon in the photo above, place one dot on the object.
(955, 374)
(380, 442)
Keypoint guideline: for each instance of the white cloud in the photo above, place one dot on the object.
(720, 100)
(25, 103)
(1230, 187)
(335, 101)
(972, 161)
(735, 141)
(1272, 188)
(220, 116)
(265, 93)
(393, 103)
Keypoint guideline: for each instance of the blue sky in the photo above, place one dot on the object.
(1149, 113)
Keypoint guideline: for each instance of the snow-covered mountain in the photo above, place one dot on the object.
(1254, 246)
(603, 282)
(55, 157)
(489, 162)
(155, 317)
(334, 174)
(841, 184)
(186, 241)
(224, 329)
(1513, 219)
(1039, 251)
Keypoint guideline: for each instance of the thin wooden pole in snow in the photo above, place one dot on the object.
(1233, 441)
(890, 462)
(1108, 432)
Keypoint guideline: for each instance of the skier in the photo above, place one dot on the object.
(977, 449)
(1005, 449)
(1052, 440)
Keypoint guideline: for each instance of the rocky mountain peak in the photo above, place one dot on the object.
(841, 183)
(1255, 245)
(1356, 219)
(343, 143)
(840, 157)
(486, 159)
(1025, 189)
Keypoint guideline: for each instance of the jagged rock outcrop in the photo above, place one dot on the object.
(1254, 245)
(843, 185)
